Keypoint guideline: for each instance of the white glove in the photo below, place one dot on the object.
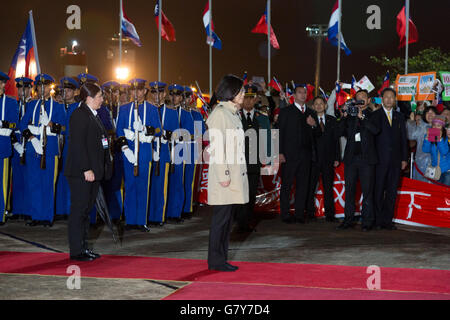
(138, 126)
(1, 124)
(19, 148)
(129, 155)
(45, 120)
(37, 146)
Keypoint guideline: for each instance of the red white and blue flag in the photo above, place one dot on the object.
(128, 29)
(353, 88)
(333, 29)
(341, 95)
(26, 61)
(323, 94)
(212, 39)
(167, 29)
(386, 83)
(245, 78)
(262, 27)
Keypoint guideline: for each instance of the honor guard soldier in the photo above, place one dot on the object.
(162, 156)
(137, 125)
(19, 198)
(68, 89)
(124, 95)
(43, 122)
(108, 113)
(8, 122)
(82, 79)
(187, 123)
(175, 198)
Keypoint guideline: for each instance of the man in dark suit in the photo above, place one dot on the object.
(391, 145)
(298, 129)
(328, 156)
(88, 163)
(360, 157)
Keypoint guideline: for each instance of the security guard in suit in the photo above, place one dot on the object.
(137, 125)
(19, 198)
(9, 119)
(163, 154)
(44, 121)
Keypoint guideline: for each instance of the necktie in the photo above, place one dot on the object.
(389, 118)
(322, 125)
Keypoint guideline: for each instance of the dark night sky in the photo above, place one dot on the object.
(186, 60)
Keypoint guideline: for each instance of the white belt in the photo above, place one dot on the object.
(5, 132)
(36, 131)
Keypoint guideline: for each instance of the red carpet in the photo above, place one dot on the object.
(273, 276)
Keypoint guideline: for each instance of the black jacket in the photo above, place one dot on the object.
(327, 144)
(254, 168)
(85, 148)
(368, 129)
(391, 142)
(297, 138)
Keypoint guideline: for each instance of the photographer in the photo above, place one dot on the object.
(416, 128)
(360, 158)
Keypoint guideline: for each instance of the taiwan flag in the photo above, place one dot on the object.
(167, 29)
(401, 29)
(262, 27)
(25, 62)
(386, 83)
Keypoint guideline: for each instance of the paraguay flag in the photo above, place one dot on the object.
(212, 39)
(386, 83)
(262, 27)
(333, 29)
(26, 61)
(167, 29)
(128, 29)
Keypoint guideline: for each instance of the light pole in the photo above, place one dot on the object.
(317, 32)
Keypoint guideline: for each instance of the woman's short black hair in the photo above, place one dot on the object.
(427, 109)
(228, 88)
(89, 90)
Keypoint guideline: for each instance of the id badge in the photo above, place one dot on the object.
(105, 143)
(358, 137)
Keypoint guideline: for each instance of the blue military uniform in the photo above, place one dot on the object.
(9, 114)
(131, 129)
(42, 180)
(19, 198)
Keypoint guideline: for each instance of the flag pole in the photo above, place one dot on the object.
(339, 42)
(159, 39)
(210, 50)
(120, 33)
(407, 37)
(36, 55)
(269, 24)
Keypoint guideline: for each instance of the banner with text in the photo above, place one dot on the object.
(445, 78)
(418, 84)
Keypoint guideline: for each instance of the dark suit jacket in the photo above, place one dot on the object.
(391, 142)
(85, 148)
(327, 143)
(368, 129)
(254, 168)
(297, 138)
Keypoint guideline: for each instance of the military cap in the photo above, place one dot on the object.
(176, 89)
(23, 82)
(85, 77)
(3, 76)
(43, 79)
(69, 83)
(251, 90)
(137, 83)
(124, 88)
(157, 85)
(188, 91)
(113, 85)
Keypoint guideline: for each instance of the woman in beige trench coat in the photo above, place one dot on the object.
(227, 175)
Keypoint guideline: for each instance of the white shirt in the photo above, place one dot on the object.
(388, 113)
(301, 108)
(252, 113)
(322, 117)
(93, 111)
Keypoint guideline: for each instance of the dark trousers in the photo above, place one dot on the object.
(388, 177)
(327, 173)
(365, 173)
(298, 171)
(219, 234)
(82, 200)
(245, 212)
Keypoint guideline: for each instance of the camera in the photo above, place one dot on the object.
(351, 107)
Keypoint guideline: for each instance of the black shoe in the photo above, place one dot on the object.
(82, 257)
(46, 224)
(289, 220)
(32, 223)
(366, 229)
(2, 223)
(92, 254)
(300, 220)
(186, 215)
(378, 228)
(224, 268)
(343, 226)
(312, 219)
(231, 266)
(331, 219)
(144, 228)
(246, 229)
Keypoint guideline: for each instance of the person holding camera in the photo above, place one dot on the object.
(417, 127)
(392, 150)
(436, 143)
(360, 158)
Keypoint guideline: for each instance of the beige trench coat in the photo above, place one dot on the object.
(227, 157)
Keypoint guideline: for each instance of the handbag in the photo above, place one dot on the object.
(434, 173)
